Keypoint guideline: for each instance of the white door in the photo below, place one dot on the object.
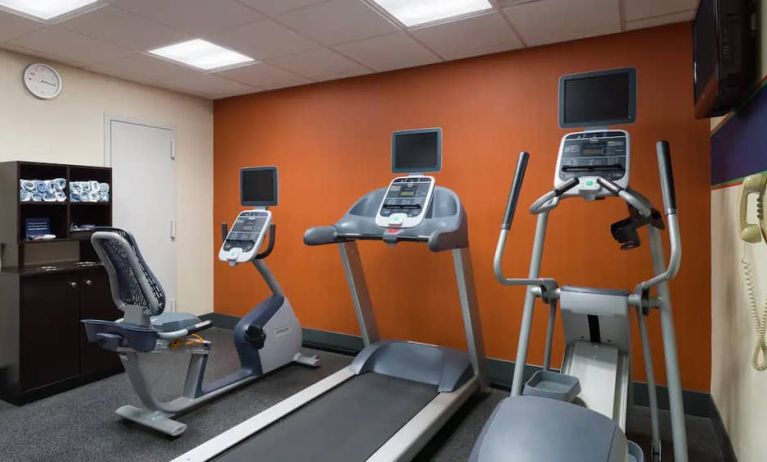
(144, 194)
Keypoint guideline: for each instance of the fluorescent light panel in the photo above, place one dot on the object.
(45, 9)
(416, 12)
(203, 55)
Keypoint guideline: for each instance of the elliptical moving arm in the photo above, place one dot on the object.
(669, 203)
(508, 218)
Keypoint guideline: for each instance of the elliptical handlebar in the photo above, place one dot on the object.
(666, 177)
(508, 217)
(516, 187)
(669, 203)
(551, 199)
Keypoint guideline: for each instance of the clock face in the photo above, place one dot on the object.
(42, 81)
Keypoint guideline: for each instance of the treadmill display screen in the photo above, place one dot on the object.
(417, 151)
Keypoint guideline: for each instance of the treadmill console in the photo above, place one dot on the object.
(590, 155)
(405, 202)
(245, 238)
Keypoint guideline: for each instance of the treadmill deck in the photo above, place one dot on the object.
(348, 423)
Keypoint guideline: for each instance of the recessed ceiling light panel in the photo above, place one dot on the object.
(203, 55)
(416, 12)
(45, 10)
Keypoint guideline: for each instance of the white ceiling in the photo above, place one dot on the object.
(304, 41)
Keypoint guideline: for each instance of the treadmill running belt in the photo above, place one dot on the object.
(346, 424)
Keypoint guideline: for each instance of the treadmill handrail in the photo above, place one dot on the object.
(440, 231)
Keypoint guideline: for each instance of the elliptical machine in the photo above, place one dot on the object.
(267, 338)
(579, 413)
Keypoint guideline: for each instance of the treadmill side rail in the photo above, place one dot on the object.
(250, 427)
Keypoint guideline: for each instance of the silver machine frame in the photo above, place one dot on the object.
(640, 300)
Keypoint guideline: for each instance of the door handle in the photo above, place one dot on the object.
(73, 284)
(88, 282)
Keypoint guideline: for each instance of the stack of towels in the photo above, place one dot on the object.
(43, 190)
(88, 191)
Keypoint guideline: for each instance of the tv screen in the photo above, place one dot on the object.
(724, 56)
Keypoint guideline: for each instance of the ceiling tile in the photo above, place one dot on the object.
(319, 64)
(388, 52)
(123, 29)
(141, 68)
(264, 76)
(661, 20)
(469, 37)
(338, 21)
(643, 9)
(193, 16)
(69, 46)
(264, 39)
(12, 26)
(551, 21)
(278, 6)
(207, 85)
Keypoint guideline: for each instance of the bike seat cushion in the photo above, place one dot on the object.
(534, 429)
(169, 322)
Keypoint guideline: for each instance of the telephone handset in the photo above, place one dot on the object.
(753, 234)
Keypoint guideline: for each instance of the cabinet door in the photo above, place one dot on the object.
(49, 329)
(96, 303)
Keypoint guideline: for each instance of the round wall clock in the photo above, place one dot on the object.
(42, 81)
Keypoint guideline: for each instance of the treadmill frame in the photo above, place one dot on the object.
(412, 436)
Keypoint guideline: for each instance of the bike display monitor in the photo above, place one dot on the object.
(258, 186)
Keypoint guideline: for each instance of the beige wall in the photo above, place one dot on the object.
(70, 129)
(738, 390)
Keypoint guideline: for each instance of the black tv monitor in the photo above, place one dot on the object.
(724, 55)
(258, 186)
(417, 151)
(597, 99)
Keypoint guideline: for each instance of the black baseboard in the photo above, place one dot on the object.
(501, 371)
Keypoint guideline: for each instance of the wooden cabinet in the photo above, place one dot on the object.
(50, 343)
(47, 287)
(52, 353)
(96, 303)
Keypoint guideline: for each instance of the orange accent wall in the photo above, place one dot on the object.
(331, 144)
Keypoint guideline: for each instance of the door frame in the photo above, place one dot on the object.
(108, 119)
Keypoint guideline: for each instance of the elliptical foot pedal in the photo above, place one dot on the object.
(553, 385)
(155, 420)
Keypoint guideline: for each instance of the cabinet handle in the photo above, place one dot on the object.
(88, 282)
(73, 284)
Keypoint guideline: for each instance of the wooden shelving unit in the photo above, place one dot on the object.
(43, 348)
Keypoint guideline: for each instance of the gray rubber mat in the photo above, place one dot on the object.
(349, 423)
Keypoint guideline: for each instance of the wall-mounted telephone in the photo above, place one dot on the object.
(753, 185)
(754, 233)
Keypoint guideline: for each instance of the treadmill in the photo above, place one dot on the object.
(395, 395)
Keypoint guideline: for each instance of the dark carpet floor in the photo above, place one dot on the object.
(80, 425)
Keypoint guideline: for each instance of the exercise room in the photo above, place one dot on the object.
(383, 230)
